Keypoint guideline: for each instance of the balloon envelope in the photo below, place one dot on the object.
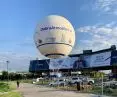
(54, 36)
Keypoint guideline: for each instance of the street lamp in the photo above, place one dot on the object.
(7, 62)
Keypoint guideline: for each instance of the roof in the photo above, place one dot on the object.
(96, 52)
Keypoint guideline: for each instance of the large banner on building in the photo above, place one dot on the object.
(87, 60)
(83, 61)
(62, 63)
(79, 63)
(101, 59)
(114, 58)
(38, 65)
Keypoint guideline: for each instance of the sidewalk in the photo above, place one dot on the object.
(30, 90)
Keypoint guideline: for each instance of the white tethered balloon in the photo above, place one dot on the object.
(54, 36)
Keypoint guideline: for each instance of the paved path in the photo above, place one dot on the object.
(30, 90)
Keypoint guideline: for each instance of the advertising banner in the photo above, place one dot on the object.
(39, 65)
(114, 58)
(79, 63)
(63, 63)
(101, 59)
(87, 60)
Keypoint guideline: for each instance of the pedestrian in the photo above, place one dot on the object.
(78, 86)
(18, 84)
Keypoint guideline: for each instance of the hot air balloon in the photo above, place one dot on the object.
(54, 36)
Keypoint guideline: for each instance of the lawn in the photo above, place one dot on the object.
(7, 90)
(11, 94)
(5, 87)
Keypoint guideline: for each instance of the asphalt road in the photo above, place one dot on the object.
(30, 90)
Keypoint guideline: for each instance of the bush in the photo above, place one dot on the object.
(96, 90)
(108, 90)
(114, 92)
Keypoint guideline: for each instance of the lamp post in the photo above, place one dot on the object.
(102, 83)
(7, 62)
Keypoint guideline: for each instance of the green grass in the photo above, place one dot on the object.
(26, 81)
(5, 87)
(95, 90)
(106, 91)
(6, 90)
(12, 85)
(114, 93)
(11, 94)
(42, 83)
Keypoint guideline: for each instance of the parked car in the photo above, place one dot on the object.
(75, 80)
(88, 80)
(58, 82)
(34, 81)
(37, 80)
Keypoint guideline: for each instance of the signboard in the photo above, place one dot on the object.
(101, 59)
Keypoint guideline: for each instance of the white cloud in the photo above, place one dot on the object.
(20, 58)
(17, 61)
(101, 36)
(110, 24)
(106, 6)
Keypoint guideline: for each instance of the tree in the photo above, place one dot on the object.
(4, 75)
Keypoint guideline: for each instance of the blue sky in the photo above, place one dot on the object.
(94, 22)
